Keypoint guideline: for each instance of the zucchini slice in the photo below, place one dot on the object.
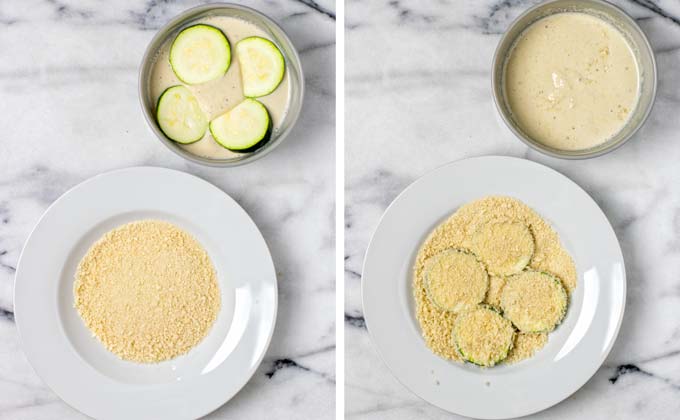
(200, 53)
(482, 336)
(455, 280)
(505, 248)
(244, 128)
(180, 116)
(534, 301)
(262, 66)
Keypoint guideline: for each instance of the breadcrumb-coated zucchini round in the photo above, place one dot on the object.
(483, 336)
(505, 248)
(455, 280)
(534, 301)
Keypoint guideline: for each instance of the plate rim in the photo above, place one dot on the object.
(209, 408)
(414, 184)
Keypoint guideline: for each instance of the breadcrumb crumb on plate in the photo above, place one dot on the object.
(493, 295)
(525, 346)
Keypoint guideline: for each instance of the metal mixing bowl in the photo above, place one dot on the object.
(635, 37)
(275, 33)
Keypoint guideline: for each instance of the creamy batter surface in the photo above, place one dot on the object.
(220, 95)
(571, 81)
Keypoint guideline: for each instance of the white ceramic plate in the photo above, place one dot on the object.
(76, 366)
(574, 351)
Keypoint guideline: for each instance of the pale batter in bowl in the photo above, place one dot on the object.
(571, 81)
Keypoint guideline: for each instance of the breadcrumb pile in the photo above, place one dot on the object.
(458, 232)
(526, 345)
(148, 291)
(493, 295)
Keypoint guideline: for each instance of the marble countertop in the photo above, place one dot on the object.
(69, 110)
(418, 95)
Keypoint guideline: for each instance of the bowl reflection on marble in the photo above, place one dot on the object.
(273, 31)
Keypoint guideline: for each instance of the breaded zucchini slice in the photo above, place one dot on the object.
(455, 280)
(534, 301)
(483, 336)
(505, 248)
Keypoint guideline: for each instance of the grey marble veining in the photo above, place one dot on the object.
(418, 95)
(69, 110)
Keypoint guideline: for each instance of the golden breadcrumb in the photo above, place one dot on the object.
(148, 291)
(455, 281)
(457, 232)
(483, 336)
(493, 295)
(526, 345)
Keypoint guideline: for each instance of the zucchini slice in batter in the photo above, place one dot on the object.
(199, 54)
(244, 128)
(262, 66)
(455, 280)
(505, 248)
(534, 301)
(180, 116)
(482, 336)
